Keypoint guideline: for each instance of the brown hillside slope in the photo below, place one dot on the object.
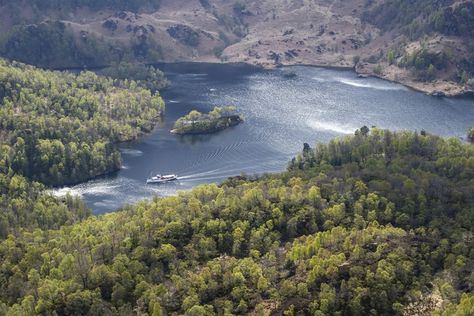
(269, 33)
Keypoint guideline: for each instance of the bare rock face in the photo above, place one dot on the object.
(470, 83)
(110, 25)
(437, 93)
(184, 34)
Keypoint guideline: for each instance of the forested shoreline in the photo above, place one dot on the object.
(377, 222)
(62, 128)
(374, 223)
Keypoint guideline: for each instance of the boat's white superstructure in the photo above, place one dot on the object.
(161, 179)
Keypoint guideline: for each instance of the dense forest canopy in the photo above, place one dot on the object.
(26, 205)
(419, 17)
(59, 128)
(470, 134)
(38, 33)
(52, 44)
(378, 223)
(73, 5)
(44, 43)
(145, 76)
(375, 223)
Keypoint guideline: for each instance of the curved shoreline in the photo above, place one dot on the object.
(434, 91)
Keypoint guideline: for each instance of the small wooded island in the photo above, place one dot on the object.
(196, 122)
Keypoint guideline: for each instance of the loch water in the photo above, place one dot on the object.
(281, 112)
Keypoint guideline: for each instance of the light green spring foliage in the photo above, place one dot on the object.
(470, 134)
(464, 308)
(147, 77)
(58, 127)
(360, 226)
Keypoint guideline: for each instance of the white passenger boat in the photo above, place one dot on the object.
(161, 179)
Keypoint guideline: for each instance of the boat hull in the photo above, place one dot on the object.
(161, 179)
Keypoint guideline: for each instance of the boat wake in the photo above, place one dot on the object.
(360, 84)
(131, 152)
(331, 127)
(96, 188)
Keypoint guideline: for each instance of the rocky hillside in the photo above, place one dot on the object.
(427, 44)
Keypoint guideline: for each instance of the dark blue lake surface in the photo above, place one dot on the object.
(280, 114)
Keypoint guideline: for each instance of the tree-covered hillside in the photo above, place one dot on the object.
(147, 77)
(68, 6)
(421, 19)
(60, 128)
(378, 223)
(25, 205)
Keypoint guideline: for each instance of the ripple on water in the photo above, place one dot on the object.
(280, 115)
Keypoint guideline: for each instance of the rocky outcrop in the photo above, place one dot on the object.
(184, 34)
